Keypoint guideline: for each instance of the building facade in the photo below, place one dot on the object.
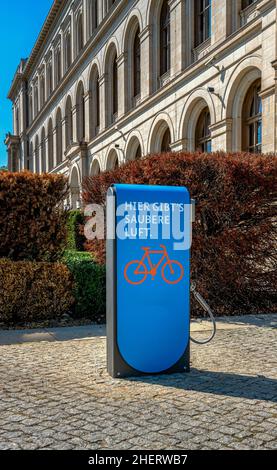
(110, 81)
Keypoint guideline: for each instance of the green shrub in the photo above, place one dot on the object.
(34, 291)
(75, 240)
(90, 286)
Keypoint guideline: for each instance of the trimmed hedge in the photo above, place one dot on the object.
(32, 291)
(33, 226)
(90, 286)
(75, 239)
(233, 252)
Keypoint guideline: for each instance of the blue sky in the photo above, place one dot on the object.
(20, 24)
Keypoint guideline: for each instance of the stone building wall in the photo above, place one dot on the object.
(208, 81)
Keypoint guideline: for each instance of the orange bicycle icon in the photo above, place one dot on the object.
(136, 272)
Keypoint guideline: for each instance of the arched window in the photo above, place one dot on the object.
(68, 52)
(95, 168)
(37, 166)
(165, 38)
(80, 113)
(80, 34)
(166, 141)
(69, 123)
(115, 87)
(97, 104)
(50, 145)
(111, 86)
(252, 120)
(59, 140)
(43, 152)
(136, 64)
(138, 154)
(94, 102)
(203, 20)
(29, 163)
(112, 162)
(203, 141)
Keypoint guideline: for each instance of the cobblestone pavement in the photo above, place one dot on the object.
(59, 396)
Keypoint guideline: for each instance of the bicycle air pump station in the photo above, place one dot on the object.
(148, 280)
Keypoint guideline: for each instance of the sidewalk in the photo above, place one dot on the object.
(91, 331)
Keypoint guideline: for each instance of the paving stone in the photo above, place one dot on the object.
(57, 395)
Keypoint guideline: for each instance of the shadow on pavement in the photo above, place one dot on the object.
(218, 383)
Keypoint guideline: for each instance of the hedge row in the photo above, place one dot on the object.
(33, 227)
(233, 252)
(34, 291)
(89, 286)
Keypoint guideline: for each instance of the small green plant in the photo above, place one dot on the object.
(75, 240)
(90, 285)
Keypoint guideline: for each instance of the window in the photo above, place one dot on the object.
(94, 108)
(36, 99)
(69, 123)
(137, 61)
(97, 103)
(203, 21)
(50, 145)
(80, 34)
(50, 78)
(68, 54)
(166, 141)
(114, 87)
(138, 153)
(59, 140)
(30, 156)
(42, 91)
(93, 15)
(247, 3)
(30, 110)
(58, 66)
(203, 141)
(165, 38)
(80, 113)
(252, 120)
(37, 155)
(17, 130)
(43, 151)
